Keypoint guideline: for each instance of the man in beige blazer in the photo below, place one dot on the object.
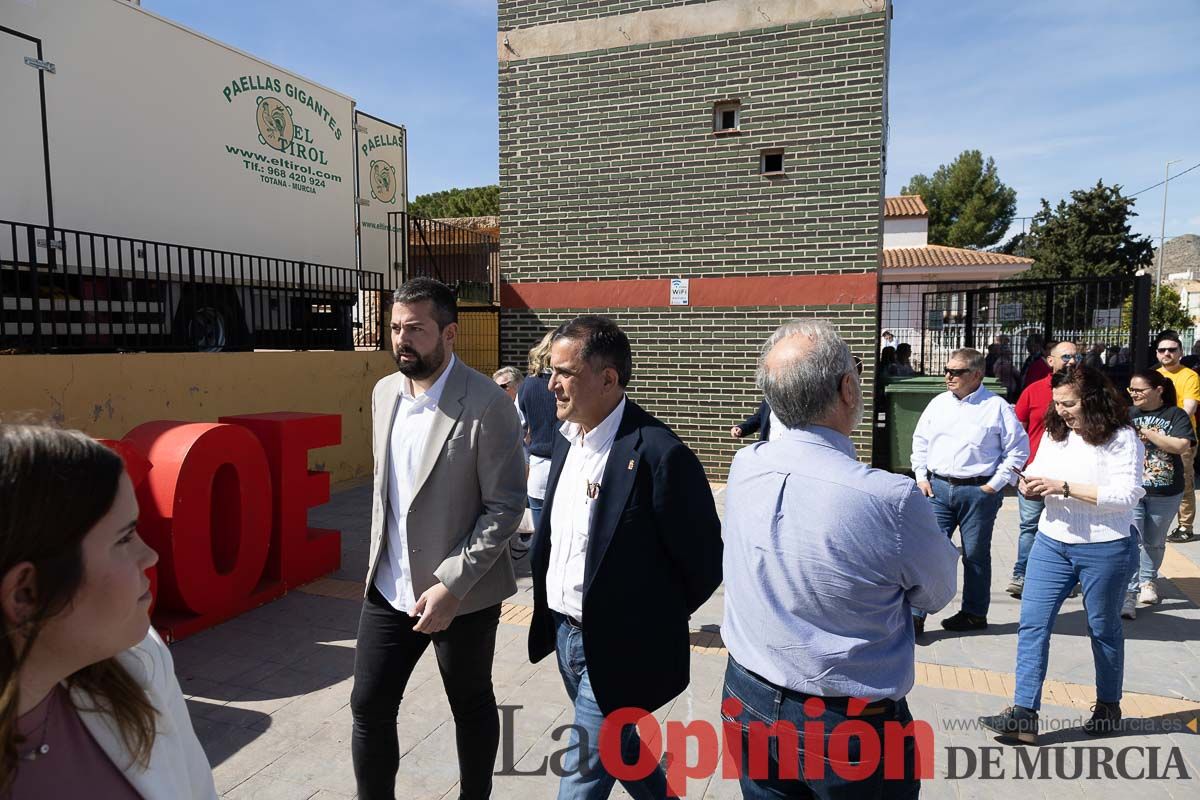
(449, 491)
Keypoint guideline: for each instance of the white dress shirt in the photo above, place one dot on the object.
(969, 438)
(777, 428)
(406, 444)
(572, 511)
(1114, 468)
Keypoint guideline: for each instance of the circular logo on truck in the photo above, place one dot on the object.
(383, 181)
(275, 126)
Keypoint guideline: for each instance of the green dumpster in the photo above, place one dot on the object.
(906, 400)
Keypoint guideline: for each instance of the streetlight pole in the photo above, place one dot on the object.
(1162, 237)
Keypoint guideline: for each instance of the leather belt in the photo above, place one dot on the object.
(840, 703)
(979, 480)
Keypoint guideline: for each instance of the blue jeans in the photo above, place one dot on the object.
(1031, 515)
(1153, 517)
(591, 781)
(1054, 568)
(973, 511)
(762, 702)
(535, 508)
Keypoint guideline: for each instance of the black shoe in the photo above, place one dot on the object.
(1181, 535)
(1105, 721)
(1016, 725)
(962, 621)
(918, 626)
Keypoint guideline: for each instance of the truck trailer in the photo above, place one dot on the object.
(163, 190)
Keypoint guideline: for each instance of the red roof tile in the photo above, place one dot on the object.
(906, 205)
(935, 255)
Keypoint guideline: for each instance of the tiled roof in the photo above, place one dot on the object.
(906, 205)
(935, 255)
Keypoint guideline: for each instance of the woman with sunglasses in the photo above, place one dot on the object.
(1167, 434)
(89, 703)
(1088, 469)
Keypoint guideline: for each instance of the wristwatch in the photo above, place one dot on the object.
(1066, 489)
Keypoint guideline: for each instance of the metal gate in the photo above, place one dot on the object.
(1010, 321)
(1109, 318)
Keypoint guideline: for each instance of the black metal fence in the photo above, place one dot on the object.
(1010, 320)
(65, 290)
(466, 259)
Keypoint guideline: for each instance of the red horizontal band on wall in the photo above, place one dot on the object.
(771, 290)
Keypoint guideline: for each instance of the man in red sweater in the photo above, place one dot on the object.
(1031, 408)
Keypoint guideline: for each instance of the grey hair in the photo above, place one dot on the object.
(805, 389)
(512, 373)
(974, 358)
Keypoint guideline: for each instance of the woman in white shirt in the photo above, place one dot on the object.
(1088, 470)
(89, 703)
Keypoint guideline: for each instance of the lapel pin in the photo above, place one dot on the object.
(630, 467)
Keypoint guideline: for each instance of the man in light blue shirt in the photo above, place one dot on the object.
(825, 559)
(968, 445)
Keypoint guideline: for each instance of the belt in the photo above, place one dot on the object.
(574, 623)
(978, 480)
(842, 703)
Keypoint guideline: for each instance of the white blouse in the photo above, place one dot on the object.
(1114, 467)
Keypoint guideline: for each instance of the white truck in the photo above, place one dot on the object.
(159, 189)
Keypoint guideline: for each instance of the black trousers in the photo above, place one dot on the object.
(387, 652)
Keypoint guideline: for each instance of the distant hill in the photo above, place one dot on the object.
(1181, 254)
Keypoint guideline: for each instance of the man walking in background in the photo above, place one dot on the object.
(1169, 351)
(967, 447)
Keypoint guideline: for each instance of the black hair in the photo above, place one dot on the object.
(601, 342)
(441, 296)
(1158, 381)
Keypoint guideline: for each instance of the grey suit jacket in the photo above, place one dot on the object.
(469, 491)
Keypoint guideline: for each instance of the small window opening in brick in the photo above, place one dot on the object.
(726, 116)
(771, 162)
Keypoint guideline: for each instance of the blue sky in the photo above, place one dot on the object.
(1060, 93)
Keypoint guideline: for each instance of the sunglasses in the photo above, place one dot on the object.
(858, 364)
(504, 385)
(1070, 357)
(1168, 349)
(956, 373)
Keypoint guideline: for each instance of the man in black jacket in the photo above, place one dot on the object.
(759, 421)
(628, 547)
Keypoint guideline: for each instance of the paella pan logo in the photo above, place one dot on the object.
(383, 181)
(275, 126)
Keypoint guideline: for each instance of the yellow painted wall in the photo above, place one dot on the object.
(108, 395)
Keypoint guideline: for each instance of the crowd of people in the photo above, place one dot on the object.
(829, 566)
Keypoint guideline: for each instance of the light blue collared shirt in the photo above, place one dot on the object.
(825, 558)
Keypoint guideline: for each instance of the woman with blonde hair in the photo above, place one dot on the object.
(536, 403)
(89, 703)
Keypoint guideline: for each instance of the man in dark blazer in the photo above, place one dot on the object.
(758, 421)
(627, 548)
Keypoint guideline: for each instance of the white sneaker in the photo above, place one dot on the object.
(1129, 607)
(1149, 594)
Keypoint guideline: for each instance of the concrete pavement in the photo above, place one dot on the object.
(269, 691)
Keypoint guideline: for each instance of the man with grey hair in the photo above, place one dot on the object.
(509, 379)
(968, 446)
(825, 559)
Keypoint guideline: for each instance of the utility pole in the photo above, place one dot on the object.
(1162, 238)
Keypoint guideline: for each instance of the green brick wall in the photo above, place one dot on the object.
(609, 169)
(693, 368)
(527, 13)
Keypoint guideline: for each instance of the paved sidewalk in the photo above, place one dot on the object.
(269, 691)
